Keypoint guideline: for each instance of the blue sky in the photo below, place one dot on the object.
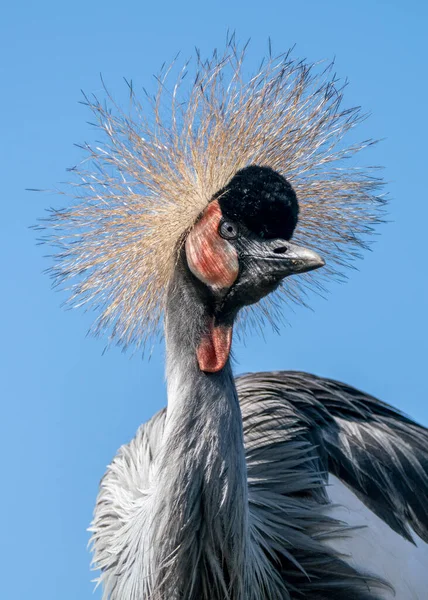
(66, 408)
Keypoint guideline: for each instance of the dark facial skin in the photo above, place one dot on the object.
(263, 264)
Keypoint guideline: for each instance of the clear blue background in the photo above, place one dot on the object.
(65, 407)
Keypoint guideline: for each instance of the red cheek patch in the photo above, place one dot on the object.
(213, 260)
(214, 348)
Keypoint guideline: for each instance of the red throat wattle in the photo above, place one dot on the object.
(214, 348)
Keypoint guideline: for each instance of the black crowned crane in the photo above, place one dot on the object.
(271, 485)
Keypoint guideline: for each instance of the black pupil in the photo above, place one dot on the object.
(228, 230)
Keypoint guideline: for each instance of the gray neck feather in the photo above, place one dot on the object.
(200, 541)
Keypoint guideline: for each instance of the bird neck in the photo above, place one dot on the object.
(202, 476)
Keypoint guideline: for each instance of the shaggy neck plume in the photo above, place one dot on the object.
(201, 482)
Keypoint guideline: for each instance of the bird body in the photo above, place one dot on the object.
(315, 502)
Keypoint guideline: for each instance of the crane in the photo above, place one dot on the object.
(278, 485)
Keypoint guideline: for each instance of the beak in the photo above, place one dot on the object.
(281, 257)
(297, 259)
(263, 264)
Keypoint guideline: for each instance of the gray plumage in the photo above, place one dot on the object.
(296, 428)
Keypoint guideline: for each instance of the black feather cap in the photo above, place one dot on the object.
(261, 199)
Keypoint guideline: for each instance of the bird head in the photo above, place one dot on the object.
(240, 246)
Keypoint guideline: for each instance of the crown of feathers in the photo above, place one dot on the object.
(162, 160)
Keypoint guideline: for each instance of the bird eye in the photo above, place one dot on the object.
(228, 230)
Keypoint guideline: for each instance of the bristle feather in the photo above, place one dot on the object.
(158, 168)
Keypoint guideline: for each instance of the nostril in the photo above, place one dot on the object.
(280, 250)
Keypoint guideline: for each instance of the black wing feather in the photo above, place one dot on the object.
(375, 449)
